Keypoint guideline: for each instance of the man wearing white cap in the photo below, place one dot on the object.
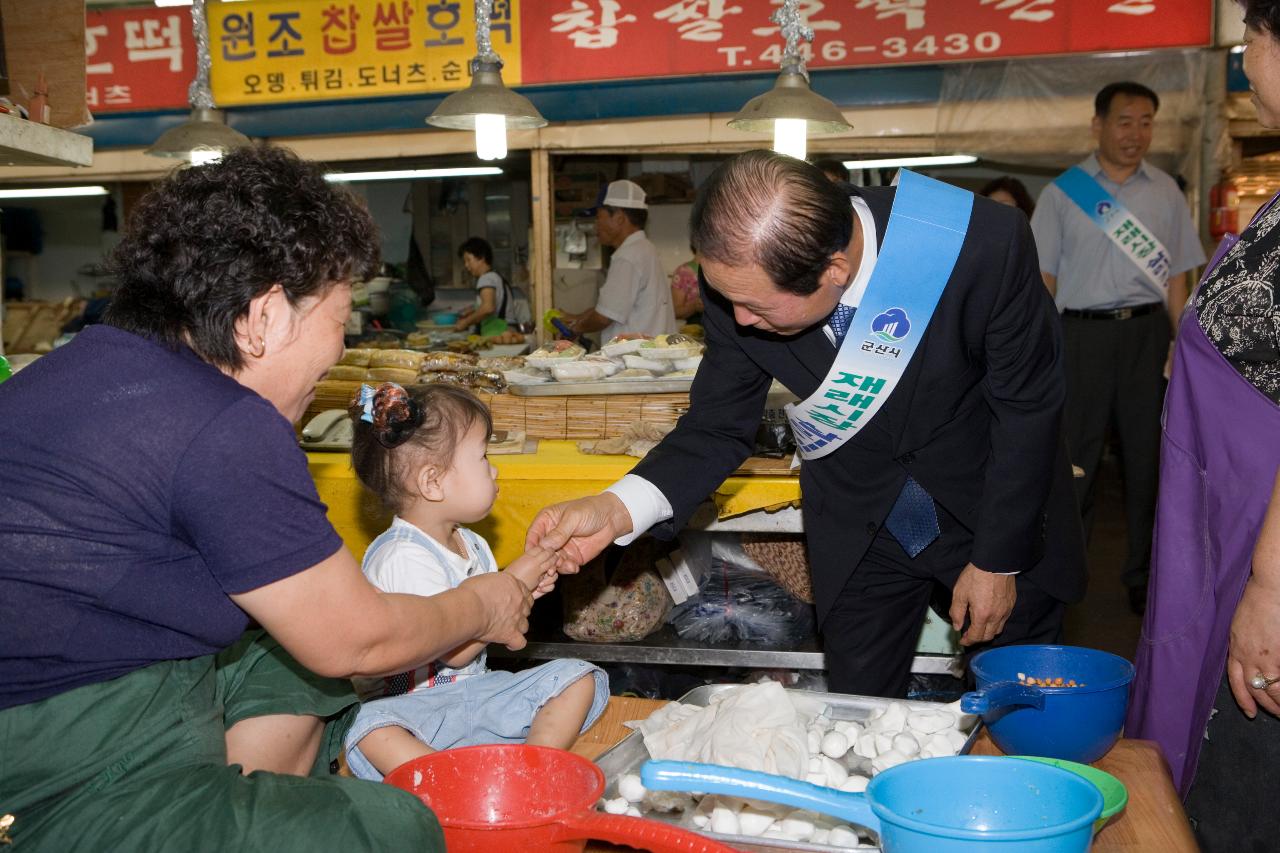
(635, 297)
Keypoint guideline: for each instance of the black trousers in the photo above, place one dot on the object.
(1231, 803)
(1115, 375)
(871, 632)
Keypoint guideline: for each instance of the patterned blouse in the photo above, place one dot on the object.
(1237, 305)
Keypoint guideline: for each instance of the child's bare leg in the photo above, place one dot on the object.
(559, 721)
(388, 747)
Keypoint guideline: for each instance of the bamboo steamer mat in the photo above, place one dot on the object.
(621, 412)
(507, 412)
(547, 417)
(331, 394)
(573, 418)
(585, 417)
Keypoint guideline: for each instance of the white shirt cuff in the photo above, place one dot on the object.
(645, 503)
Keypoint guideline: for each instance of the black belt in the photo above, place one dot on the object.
(1111, 313)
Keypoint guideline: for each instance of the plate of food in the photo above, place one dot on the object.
(553, 353)
(620, 345)
(669, 348)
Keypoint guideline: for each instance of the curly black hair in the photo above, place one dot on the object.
(207, 240)
(1262, 15)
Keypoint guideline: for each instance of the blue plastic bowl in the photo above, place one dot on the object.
(445, 318)
(970, 803)
(961, 804)
(1074, 723)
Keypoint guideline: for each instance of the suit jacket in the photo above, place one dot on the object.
(975, 419)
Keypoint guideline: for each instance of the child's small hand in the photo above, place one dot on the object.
(536, 569)
(564, 565)
(546, 583)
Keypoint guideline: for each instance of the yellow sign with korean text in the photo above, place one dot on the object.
(277, 51)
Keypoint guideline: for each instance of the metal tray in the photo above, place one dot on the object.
(603, 386)
(627, 756)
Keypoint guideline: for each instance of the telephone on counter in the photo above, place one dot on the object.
(330, 430)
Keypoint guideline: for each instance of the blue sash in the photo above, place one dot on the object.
(921, 244)
(1122, 228)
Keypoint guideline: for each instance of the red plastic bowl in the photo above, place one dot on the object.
(505, 798)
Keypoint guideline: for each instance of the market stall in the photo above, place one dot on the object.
(617, 115)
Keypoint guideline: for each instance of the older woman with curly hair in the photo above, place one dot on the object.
(154, 505)
(1209, 656)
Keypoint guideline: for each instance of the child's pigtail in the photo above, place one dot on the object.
(390, 412)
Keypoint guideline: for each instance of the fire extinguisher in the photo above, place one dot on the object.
(1224, 209)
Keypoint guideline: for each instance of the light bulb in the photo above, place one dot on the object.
(789, 137)
(491, 136)
(204, 156)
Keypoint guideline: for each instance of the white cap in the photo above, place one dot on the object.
(624, 194)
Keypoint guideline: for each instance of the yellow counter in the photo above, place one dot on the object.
(526, 483)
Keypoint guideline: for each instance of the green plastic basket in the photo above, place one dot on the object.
(1114, 794)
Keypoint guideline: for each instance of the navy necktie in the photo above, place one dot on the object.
(839, 321)
(913, 521)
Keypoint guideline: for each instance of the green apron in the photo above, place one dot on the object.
(138, 763)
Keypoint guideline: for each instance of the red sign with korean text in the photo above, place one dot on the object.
(138, 59)
(577, 40)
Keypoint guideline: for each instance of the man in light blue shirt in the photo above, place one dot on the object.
(1117, 321)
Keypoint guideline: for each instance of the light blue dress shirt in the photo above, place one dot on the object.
(1092, 272)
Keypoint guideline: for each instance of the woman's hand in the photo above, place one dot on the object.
(1255, 627)
(506, 602)
(579, 529)
(1255, 648)
(536, 568)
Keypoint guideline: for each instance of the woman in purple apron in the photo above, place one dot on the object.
(1210, 649)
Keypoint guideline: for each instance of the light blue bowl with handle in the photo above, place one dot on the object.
(961, 804)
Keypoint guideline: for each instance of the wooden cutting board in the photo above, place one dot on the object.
(765, 465)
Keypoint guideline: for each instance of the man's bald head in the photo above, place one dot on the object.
(773, 211)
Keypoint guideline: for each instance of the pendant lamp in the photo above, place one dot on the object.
(486, 106)
(206, 136)
(791, 110)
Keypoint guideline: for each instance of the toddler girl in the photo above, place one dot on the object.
(423, 451)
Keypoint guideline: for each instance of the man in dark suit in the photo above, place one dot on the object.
(960, 479)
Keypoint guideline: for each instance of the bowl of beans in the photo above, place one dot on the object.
(1053, 701)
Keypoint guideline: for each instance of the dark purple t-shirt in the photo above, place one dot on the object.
(139, 488)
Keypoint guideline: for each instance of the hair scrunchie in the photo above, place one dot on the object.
(390, 410)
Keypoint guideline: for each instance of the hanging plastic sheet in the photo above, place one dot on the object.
(1032, 113)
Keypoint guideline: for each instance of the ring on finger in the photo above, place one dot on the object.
(1261, 682)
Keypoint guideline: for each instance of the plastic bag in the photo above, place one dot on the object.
(773, 436)
(739, 601)
(628, 604)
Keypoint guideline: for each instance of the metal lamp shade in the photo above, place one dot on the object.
(206, 130)
(486, 96)
(790, 98)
